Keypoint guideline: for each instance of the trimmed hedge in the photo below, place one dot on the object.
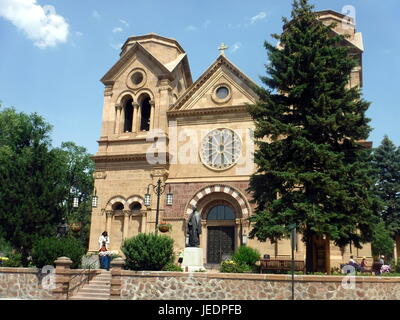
(148, 251)
(46, 250)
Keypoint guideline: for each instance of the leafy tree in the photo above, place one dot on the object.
(386, 160)
(38, 182)
(31, 184)
(311, 169)
(78, 180)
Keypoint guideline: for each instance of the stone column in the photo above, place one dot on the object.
(63, 266)
(135, 123)
(109, 220)
(163, 105)
(152, 110)
(118, 118)
(126, 224)
(116, 281)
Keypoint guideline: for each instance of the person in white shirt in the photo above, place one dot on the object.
(104, 238)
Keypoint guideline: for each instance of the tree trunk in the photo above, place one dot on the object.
(308, 238)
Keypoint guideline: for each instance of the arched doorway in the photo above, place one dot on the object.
(220, 232)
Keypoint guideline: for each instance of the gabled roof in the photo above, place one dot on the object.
(221, 60)
(166, 70)
(108, 78)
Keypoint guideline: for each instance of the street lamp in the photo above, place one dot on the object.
(158, 190)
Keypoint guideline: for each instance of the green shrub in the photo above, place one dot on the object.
(397, 266)
(46, 250)
(14, 258)
(148, 251)
(172, 267)
(231, 266)
(246, 255)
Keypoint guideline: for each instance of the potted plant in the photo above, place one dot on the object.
(164, 227)
(75, 226)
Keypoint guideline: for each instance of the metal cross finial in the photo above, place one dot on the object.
(222, 47)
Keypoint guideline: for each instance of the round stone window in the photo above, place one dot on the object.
(222, 92)
(137, 78)
(220, 149)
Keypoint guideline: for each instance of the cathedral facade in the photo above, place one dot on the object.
(169, 145)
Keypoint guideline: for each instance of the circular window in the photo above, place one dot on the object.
(220, 149)
(222, 92)
(137, 78)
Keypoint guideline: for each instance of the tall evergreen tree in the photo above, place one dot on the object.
(386, 160)
(311, 170)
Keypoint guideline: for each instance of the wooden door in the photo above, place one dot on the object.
(220, 242)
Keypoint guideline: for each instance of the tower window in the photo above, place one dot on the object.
(128, 116)
(145, 114)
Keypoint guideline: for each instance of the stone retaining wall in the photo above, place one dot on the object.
(224, 286)
(23, 283)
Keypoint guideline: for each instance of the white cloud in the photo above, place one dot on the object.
(124, 23)
(40, 23)
(236, 47)
(117, 29)
(96, 15)
(260, 16)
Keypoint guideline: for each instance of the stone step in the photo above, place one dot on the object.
(97, 286)
(90, 291)
(100, 283)
(93, 294)
(87, 298)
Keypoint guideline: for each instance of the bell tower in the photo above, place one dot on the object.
(151, 74)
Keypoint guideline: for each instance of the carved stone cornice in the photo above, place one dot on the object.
(124, 157)
(206, 111)
(125, 213)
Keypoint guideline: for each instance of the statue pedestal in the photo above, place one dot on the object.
(193, 259)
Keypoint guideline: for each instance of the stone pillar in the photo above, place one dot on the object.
(109, 220)
(152, 110)
(118, 118)
(63, 266)
(126, 224)
(163, 105)
(135, 123)
(116, 281)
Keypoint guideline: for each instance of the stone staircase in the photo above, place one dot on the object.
(97, 289)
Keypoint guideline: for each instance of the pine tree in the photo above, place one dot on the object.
(311, 170)
(386, 160)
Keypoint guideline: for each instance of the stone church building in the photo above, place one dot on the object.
(196, 139)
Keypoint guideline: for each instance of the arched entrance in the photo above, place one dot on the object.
(224, 211)
(220, 232)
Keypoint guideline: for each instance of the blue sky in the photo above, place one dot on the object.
(52, 58)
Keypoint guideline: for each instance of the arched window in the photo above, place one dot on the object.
(135, 206)
(128, 111)
(145, 112)
(118, 206)
(221, 212)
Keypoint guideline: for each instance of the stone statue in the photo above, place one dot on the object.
(194, 228)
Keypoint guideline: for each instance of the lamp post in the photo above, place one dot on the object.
(158, 189)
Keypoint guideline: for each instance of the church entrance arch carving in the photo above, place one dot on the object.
(224, 212)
